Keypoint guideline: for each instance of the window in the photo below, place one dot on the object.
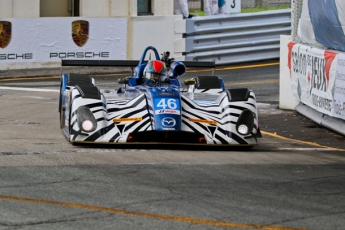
(59, 8)
(144, 7)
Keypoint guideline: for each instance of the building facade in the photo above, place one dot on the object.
(84, 8)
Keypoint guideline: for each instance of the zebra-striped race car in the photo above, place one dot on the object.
(151, 106)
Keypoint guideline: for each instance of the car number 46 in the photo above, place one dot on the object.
(165, 103)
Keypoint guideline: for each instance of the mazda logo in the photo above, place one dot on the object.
(168, 122)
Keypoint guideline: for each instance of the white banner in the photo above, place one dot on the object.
(339, 89)
(52, 39)
(313, 76)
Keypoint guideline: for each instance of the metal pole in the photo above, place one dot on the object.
(72, 8)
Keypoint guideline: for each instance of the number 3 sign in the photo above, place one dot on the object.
(232, 6)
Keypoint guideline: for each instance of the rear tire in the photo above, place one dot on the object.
(78, 79)
(207, 82)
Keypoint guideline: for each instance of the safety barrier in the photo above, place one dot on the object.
(234, 38)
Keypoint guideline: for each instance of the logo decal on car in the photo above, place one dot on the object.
(80, 32)
(168, 111)
(129, 119)
(5, 33)
(168, 122)
(202, 121)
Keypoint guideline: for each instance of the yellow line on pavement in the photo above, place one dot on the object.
(238, 67)
(252, 82)
(249, 66)
(299, 141)
(29, 78)
(148, 215)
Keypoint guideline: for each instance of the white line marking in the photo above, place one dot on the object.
(30, 89)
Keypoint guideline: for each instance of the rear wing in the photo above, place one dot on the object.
(132, 63)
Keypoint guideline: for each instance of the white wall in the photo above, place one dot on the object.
(162, 7)
(286, 98)
(6, 9)
(157, 31)
(92, 8)
(19, 8)
(120, 8)
(26, 9)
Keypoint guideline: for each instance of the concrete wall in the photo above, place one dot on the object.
(286, 99)
(19, 8)
(163, 32)
(92, 8)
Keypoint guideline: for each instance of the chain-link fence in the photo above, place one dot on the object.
(295, 16)
(199, 4)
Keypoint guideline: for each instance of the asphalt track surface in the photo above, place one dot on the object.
(294, 179)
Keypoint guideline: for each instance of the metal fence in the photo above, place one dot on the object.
(235, 38)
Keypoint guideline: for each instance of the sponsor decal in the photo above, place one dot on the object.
(316, 68)
(130, 119)
(169, 129)
(5, 33)
(290, 47)
(311, 76)
(25, 56)
(203, 121)
(168, 111)
(65, 55)
(80, 32)
(165, 94)
(168, 122)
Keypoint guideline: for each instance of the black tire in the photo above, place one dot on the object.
(207, 82)
(78, 79)
(88, 91)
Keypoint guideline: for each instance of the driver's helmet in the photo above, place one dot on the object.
(156, 71)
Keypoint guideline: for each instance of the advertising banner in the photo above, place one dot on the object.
(53, 39)
(312, 76)
(339, 88)
(322, 23)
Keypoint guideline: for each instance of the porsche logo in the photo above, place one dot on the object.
(5, 33)
(80, 32)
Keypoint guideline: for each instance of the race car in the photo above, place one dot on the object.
(152, 106)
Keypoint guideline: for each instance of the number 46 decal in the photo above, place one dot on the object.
(167, 103)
